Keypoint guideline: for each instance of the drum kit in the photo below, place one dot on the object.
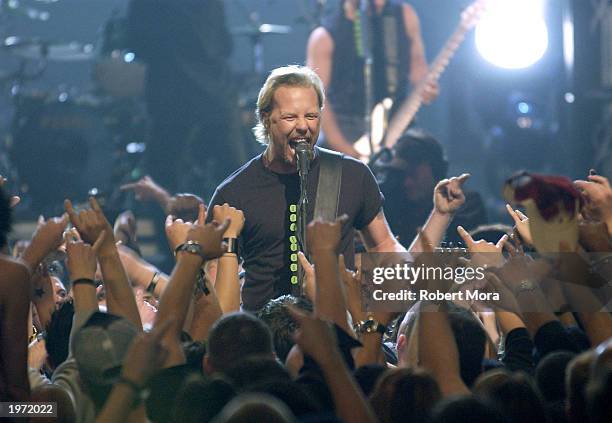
(64, 144)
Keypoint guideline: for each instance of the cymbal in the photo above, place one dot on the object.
(263, 29)
(35, 49)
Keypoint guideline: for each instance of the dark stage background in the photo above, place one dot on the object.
(474, 117)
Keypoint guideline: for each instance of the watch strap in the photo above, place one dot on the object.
(190, 246)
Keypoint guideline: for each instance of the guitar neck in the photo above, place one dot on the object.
(409, 108)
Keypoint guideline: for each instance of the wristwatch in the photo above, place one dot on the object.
(370, 326)
(192, 247)
(526, 286)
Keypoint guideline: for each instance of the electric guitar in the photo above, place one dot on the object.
(383, 135)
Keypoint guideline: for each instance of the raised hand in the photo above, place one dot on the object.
(46, 238)
(324, 236)
(145, 189)
(507, 300)
(448, 194)
(49, 232)
(352, 287)
(519, 269)
(593, 236)
(599, 198)
(522, 224)
(37, 354)
(483, 252)
(81, 257)
(90, 224)
(177, 229)
(310, 281)
(210, 237)
(221, 213)
(184, 206)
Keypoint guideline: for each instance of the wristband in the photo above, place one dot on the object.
(525, 286)
(136, 389)
(84, 281)
(153, 284)
(231, 245)
(133, 385)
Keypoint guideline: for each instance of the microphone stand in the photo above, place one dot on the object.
(304, 155)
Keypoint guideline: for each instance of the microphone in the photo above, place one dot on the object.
(304, 154)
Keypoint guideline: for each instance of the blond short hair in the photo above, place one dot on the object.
(292, 76)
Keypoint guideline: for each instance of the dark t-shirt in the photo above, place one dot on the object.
(268, 242)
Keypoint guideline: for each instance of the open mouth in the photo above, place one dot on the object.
(295, 141)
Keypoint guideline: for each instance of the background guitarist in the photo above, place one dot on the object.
(398, 57)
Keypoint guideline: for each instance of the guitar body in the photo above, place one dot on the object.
(379, 120)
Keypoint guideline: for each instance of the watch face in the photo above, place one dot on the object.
(192, 248)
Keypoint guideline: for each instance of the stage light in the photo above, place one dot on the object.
(512, 34)
(523, 108)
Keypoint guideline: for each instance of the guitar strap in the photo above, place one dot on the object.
(391, 51)
(328, 187)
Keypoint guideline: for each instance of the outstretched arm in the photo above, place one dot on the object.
(14, 309)
(175, 301)
(323, 240)
(227, 284)
(144, 357)
(438, 350)
(146, 189)
(46, 238)
(448, 197)
(119, 296)
(315, 338)
(141, 273)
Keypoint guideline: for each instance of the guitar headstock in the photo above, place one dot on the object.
(472, 14)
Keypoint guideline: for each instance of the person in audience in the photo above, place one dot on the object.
(202, 358)
(14, 308)
(417, 164)
(236, 336)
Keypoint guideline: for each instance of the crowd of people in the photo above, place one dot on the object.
(229, 335)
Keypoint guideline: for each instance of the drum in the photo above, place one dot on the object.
(60, 149)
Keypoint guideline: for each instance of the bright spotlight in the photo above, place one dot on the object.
(512, 34)
(523, 108)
